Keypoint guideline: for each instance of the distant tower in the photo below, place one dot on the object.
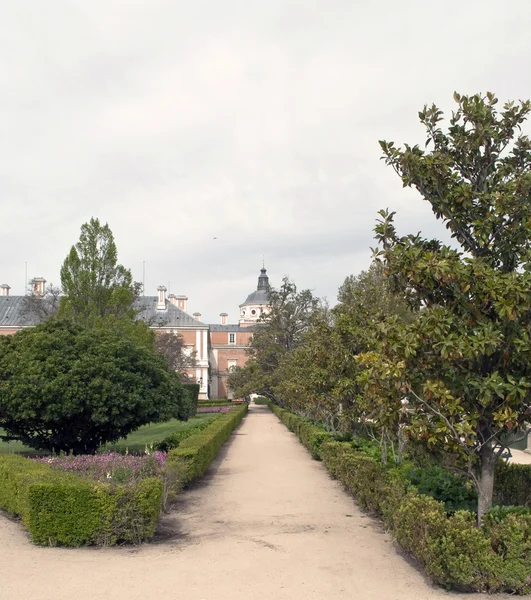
(257, 302)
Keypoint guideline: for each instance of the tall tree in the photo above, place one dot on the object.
(95, 286)
(464, 365)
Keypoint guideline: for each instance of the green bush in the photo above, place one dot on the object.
(64, 509)
(512, 484)
(454, 552)
(219, 402)
(188, 406)
(194, 454)
(450, 488)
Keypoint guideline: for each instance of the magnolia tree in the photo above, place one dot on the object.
(464, 365)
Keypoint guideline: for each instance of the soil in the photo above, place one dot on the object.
(266, 522)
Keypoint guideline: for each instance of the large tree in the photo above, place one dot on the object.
(464, 365)
(95, 286)
(67, 388)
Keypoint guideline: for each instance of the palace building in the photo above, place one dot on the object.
(218, 348)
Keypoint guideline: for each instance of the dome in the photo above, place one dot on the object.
(261, 295)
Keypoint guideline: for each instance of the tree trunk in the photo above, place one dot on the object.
(486, 479)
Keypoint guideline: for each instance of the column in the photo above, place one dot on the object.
(205, 345)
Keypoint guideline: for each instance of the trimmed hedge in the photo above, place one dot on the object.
(194, 454)
(173, 440)
(60, 508)
(454, 552)
(513, 484)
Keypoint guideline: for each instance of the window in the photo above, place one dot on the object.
(253, 312)
(231, 364)
(232, 338)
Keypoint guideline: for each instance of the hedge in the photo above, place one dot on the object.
(61, 508)
(454, 552)
(194, 454)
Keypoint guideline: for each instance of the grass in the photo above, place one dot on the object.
(138, 440)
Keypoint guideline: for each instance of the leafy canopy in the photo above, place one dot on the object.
(95, 286)
(464, 364)
(63, 387)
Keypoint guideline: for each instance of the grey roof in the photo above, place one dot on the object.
(261, 295)
(230, 328)
(172, 316)
(14, 312)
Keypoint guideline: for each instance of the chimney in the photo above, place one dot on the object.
(172, 299)
(181, 302)
(197, 316)
(223, 318)
(4, 289)
(161, 304)
(39, 286)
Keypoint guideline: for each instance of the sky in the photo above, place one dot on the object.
(216, 134)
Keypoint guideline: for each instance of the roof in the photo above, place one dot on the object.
(230, 328)
(261, 295)
(14, 312)
(172, 316)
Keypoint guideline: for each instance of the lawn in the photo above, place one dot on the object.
(138, 440)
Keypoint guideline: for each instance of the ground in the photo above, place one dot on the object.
(266, 523)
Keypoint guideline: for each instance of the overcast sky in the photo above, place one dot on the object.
(211, 133)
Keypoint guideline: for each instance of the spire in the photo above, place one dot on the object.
(263, 280)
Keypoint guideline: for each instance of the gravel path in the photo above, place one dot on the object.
(267, 522)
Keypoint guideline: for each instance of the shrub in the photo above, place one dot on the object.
(173, 440)
(512, 484)
(453, 550)
(452, 489)
(194, 454)
(70, 510)
(188, 407)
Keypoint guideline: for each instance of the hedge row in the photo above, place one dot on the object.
(63, 508)
(194, 454)
(453, 551)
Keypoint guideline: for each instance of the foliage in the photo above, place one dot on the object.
(65, 509)
(463, 365)
(176, 437)
(95, 286)
(278, 333)
(454, 552)
(65, 388)
(188, 407)
(513, 484)
(172, 347)
(449, 488)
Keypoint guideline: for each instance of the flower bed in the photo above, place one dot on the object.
(110, 467)
(213, 409)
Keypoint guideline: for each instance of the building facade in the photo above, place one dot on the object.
(218, 348)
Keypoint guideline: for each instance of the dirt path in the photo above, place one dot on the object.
(267, 522)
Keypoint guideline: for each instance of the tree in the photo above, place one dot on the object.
(94, 285)
(38, 307)
(277, 333)
(172, 347)
(66, 388)
(464, 364)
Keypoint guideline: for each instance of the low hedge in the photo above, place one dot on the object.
(194, 454)
(61, 508)
(454, 552)
(173, 440)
